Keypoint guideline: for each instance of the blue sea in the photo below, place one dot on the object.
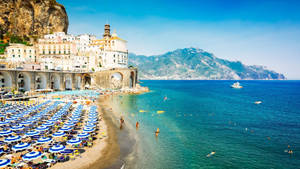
(205, 116)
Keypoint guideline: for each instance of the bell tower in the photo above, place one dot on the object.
(106, 31)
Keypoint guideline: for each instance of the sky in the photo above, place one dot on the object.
(256, 32)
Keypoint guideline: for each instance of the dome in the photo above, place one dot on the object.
(114, 34)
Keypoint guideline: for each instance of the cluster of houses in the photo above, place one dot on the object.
(63, 52)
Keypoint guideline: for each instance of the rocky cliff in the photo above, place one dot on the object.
(194, 63)
(32, 18)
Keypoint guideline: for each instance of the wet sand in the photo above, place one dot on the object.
(120, 142)
(110, 154)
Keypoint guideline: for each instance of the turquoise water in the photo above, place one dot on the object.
(205, 116)
(88, 93)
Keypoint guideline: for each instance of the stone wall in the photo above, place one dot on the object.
(105, 79)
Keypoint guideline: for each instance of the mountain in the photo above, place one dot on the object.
(32, 17)
(194, 63)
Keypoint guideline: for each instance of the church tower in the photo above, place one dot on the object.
(106, 31)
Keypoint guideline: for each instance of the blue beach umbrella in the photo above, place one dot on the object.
(48, 124)
(44, 140)
(83, 135)
(32, 133)
(65, 128)
(18, 127)
(2, 123)
(21, 146)
(4, 162)
(90, 125)
(74, 141)
(42, 128)
(26, 123)
(67, 151)
(32, 155)
(91, 122)
(88, 129)
(12, 139)
(5, 132)
(53, 120)
(57, 148)
(69, 124)
(58, 134)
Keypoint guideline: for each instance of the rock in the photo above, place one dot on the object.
(32, 18)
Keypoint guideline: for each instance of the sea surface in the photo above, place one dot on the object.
(205, 116)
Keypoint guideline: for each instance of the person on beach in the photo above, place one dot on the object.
(137, 125)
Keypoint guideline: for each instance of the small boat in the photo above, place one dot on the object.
(236, 85)
(258, 102)
(211, 154)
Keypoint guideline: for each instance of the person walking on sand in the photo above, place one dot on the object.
(137, 125)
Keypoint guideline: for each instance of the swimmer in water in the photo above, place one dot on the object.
(165, 98)
(157, 132)
(211, 154)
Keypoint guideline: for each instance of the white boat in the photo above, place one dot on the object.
(258, 102)
(236, 85)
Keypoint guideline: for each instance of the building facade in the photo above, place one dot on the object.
(20, 53)
(110, 51)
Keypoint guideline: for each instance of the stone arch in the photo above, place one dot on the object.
(77, 82)
(116, 80)
(68, 82)
(5, 80)
(40, 81)
(23, 82)
(55, 82)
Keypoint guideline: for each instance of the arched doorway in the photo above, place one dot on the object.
(87, 81)
(5, 80)
(77, 82)
(55, 82)
(23, 82)
(68, 82)
(116, 80)
(41, 81)
(131, 80)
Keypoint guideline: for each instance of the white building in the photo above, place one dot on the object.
(56, 51)
(18, 53)
(110, 51)
(83, 42)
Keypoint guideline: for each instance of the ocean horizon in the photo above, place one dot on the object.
(197, 117)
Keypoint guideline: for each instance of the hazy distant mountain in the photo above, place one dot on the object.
(193, 63)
